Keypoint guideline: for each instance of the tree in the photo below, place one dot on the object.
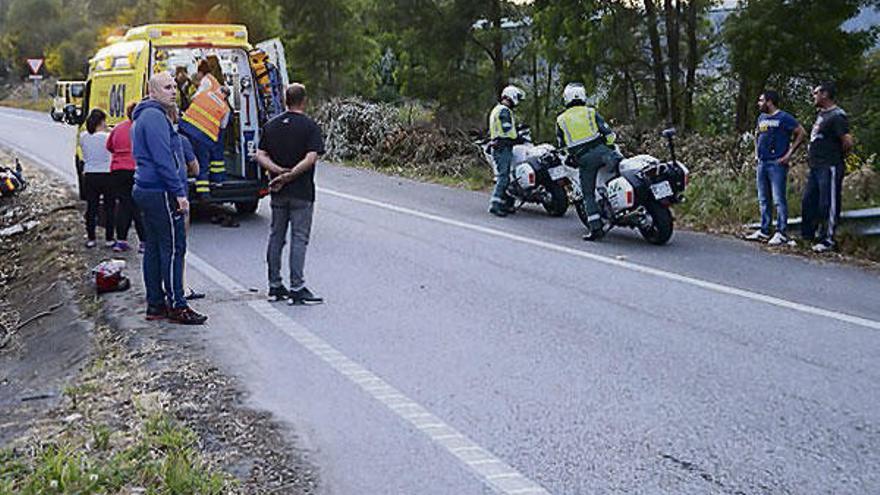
(807, 43)
(329, 46)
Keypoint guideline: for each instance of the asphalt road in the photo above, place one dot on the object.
(458, 353)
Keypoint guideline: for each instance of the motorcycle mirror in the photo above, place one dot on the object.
(669, 133)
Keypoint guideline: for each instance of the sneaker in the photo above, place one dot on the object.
(822, 247)
(304, 297)
(91, 243)
(109, 243)
(498, 210)
(192, 294)
(156, 313)
(758, 236)
(186, 316)
(279, 293)
(594, 235)
(121, 247)
(778, 239)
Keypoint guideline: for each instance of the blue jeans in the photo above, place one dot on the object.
(164, 249)
(821, 203)
(772, 178)
(502, 156)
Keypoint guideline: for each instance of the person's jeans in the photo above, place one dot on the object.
(821, 203)
(298, 214)
(772, 178)
(164, 249)
(502, 155)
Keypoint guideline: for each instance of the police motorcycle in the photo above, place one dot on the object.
(538, 174)
(637, 192)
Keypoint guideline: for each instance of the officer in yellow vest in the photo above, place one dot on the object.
(589, 141)
(203, 123)
(502, 132)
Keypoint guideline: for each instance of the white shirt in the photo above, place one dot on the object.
(96, 158)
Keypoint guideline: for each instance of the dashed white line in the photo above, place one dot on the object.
(487, 467)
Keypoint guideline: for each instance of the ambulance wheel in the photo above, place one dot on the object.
(247, 207)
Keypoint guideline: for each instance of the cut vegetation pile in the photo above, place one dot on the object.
(386, 137)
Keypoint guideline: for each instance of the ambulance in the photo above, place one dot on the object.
(119, 72)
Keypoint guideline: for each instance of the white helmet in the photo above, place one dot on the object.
(514, 94)
(574, 92)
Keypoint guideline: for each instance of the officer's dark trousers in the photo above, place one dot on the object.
(589, 163)
(502, 155)
(821, 206)
(165, 248)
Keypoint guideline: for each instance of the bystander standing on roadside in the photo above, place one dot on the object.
(161, 196)
(773, 151)
(289, 148)
(830, 142)
(97, 181)
(122, 168)
(187, 165)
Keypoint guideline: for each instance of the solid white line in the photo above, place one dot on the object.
(712, 286)
(394, 400)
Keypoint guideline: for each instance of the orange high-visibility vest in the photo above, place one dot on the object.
(208, 109)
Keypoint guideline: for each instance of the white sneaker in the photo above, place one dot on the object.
(757, 236)
(821, 247)
(778, 239)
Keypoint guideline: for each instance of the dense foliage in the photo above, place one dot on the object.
(698, 64)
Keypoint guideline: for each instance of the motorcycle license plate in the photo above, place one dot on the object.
(661, 190)
(557, 173)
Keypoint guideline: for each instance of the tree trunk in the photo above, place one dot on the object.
(672, 40)
(497, 47)
(692, 62)
(660, 100)
(632, 89)
(537, 104)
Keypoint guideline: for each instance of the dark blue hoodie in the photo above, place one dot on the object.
(151, 145)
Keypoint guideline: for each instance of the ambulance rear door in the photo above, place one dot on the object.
(275, 49)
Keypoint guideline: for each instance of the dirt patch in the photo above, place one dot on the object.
(96, 400)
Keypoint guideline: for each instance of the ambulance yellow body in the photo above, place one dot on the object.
(118, 74)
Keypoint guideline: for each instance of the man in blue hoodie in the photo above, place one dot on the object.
(161, 196)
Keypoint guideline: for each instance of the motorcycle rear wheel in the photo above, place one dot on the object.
(557, 204)
(660, 230)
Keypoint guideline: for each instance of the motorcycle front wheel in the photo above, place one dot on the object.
(556, 203)
(659, 231)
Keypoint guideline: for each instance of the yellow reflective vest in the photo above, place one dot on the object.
(208, 109)
(496, 127)
(578, 125)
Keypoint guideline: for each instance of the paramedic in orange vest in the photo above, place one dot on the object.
(204, 123)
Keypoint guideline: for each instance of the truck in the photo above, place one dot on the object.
(119, 72)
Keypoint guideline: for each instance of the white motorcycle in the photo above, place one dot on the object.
(637, 193)
(538, 174)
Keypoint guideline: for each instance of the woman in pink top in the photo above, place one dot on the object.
(122, 167)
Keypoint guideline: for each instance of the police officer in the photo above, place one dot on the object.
(590, 143)
(502, 132)
(203, 123)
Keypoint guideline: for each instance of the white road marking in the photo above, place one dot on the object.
(684, 279)
(491, 470)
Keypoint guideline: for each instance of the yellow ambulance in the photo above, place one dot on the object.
(119, 72)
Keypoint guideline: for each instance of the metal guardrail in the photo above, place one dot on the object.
(865, 222)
